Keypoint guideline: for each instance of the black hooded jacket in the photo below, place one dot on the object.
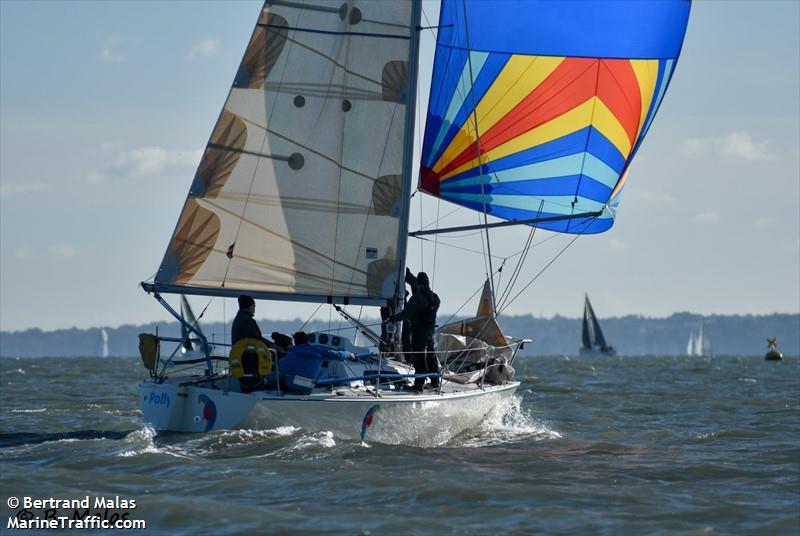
(420, 311)
(244, 327)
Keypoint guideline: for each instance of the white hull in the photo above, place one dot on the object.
(398, 417)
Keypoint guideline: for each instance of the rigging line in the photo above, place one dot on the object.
(458, 208)
(490, 274)
(480, 288)
(546, 266)
(518, 268)
(429, 26)
(310, 317)
(197, 320)
(419, 150)
(475, 251)
(436, 238)
(355, 328)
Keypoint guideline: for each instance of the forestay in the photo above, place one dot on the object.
(300, 191)
(547, 101)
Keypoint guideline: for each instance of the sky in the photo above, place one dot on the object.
(105, 108)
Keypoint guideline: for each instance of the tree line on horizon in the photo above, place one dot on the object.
(630, 335)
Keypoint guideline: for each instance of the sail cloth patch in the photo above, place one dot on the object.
(372, 253)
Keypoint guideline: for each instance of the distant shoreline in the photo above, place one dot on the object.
(630, 335)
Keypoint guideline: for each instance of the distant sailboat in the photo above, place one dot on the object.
(103, 343)
(699, 343)
(592, 340)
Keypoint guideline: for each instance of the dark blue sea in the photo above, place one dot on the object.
(610, 445)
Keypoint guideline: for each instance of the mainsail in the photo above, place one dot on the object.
(538, 107)
(302, 191)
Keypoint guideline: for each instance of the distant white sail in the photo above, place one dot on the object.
(703, 341)
(300, 192)
(103, 343)
(690, 344)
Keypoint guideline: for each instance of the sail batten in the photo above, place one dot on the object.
(535, 101)
(299, 193)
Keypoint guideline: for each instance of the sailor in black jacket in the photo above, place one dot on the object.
(421, 314)
(244, 326)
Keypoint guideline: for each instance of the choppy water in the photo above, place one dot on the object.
(602, 445)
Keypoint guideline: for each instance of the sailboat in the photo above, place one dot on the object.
(103, 350)
(303, 194)
(593, 342)
(699, 344)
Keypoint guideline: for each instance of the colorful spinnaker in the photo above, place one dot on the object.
(537, 107)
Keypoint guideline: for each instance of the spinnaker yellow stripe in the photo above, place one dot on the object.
(520, 76)
(592, 112)
(646, 72)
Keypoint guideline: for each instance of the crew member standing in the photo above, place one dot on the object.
(421, 315)
(244, 325)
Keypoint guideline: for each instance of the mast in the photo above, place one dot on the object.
(408, 154)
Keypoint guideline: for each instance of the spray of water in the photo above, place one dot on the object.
(507, 423)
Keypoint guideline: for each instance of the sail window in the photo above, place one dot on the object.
(346, 105)
(299, 101)
(296, 161)
(355, 16)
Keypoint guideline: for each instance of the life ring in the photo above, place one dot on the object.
(246, 348)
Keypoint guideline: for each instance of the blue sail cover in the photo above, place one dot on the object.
(537, 107)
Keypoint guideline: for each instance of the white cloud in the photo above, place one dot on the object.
(62, 250)
(7, 190)
(737, 145)
(205, 48)
(109, 52)
(150, 160)
(707, 217)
